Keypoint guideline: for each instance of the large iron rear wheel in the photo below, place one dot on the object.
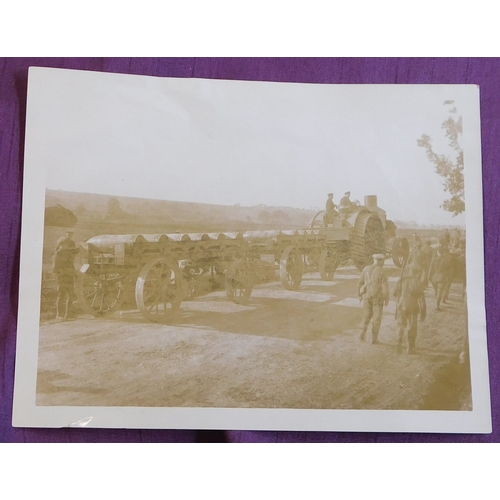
(367, 238)
(159, 289)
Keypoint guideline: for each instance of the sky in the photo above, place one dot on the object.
(247, 143)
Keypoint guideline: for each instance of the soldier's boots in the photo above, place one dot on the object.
(423, 310)
(65, 316)
(59, 316)
(399, 345)
(411, 345)
(362, 337)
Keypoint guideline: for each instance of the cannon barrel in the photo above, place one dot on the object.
(163, 239)
(226, 236)
(106, 243)
(260, 235)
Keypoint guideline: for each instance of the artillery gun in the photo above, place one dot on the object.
(162, 270)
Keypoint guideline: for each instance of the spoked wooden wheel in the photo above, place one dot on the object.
(239, 282)
(318, 221)
(291, 268)
(327, 265)
(101, 294)
(159, 289)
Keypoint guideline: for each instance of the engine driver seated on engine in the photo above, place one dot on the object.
(346, 207)
(330, 213)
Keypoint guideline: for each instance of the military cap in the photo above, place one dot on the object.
(378, 256)
(330, 194)
(347, 192)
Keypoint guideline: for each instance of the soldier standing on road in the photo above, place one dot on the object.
(417, 255)
(428, 252)
(440, 274)
(373, 290)
(64, 271)
(418, 258)
(409, 292)
(455, 241)
(445, 238)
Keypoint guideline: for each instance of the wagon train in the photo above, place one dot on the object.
(162, 270)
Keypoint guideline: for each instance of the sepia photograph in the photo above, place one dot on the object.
(260, 255)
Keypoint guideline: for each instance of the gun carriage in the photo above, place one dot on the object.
(162, 270)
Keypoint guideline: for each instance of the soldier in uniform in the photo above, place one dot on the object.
(331, 213)
(409, 292)
(64, 270)
(440, 274)
(418, 258)
(373, 290)
(417, 255)
(455, 241)
(445, 239)
(345, 207)
(428, 252)
(346, 200)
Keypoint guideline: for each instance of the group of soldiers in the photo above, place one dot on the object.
(341, 211)
(425, 264)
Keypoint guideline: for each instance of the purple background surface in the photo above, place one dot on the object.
(484, 72)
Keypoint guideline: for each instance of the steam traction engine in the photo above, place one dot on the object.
(162, 270)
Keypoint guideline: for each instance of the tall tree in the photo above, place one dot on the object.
(449, 167)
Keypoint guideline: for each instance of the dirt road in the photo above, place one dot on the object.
(283, 350)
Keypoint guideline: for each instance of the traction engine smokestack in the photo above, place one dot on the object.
(371, 204)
